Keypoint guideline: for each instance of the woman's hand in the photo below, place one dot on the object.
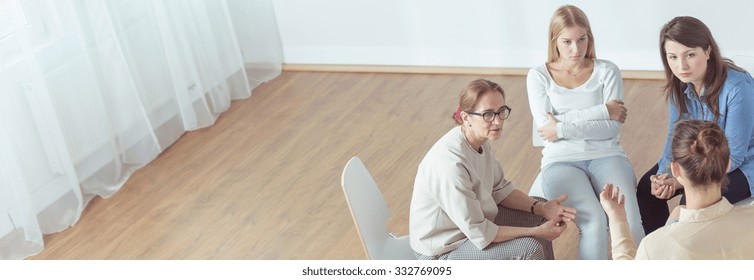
(549, 132)
(553, 210)
(613, 203)
(664, 186)
(617, 110)
(551, 229)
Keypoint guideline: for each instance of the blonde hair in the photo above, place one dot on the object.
(565, 17)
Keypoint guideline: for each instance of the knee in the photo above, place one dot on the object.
(643, 192)
(592, 224)
(553, 177)
(555, 172)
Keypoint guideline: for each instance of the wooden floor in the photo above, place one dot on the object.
(264, 181)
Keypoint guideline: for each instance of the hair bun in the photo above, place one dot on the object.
(707, 141)
(700, 147)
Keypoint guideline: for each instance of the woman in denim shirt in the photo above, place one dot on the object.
(701, 85)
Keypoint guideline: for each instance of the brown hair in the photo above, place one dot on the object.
(692, 33)
(700, 147)
(470, 95)
(564, 17)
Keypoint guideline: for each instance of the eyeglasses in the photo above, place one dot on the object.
(490, 116)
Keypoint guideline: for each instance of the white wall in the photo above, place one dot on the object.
(491, 33)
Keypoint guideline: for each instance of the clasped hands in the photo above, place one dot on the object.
(664, 186)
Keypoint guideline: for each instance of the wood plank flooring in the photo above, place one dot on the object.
(264, 181)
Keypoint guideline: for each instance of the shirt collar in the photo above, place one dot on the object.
(705, 214)
(691, 93)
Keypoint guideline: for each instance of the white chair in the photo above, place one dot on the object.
(748, 201)
(536, 187)
(370, 214)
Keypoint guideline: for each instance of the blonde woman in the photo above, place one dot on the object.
(575, 101)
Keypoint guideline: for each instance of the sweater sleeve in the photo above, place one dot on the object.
(594, 113)
(602, 128)
(623, 247)
(503, 187)
(589, 130)
(613, 83)
(539, 104)
(457, 199)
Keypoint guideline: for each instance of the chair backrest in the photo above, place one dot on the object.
(536, 140)
(368, 207)
(745, 202)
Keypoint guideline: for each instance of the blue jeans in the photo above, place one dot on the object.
(583, 181)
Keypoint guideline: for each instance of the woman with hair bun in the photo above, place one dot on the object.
(709, 226)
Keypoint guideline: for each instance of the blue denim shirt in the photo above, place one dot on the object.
(736, 105)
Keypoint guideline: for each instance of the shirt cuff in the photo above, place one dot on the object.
(605, 112)
(662, 168)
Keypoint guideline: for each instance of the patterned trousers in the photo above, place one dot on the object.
(523, 248)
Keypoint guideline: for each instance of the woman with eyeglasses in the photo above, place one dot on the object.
(463, 207)
(575, 101)
(701, 85)
(710, 227)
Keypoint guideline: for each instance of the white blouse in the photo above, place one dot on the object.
(584, 125)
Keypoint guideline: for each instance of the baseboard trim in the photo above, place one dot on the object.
(627, 74)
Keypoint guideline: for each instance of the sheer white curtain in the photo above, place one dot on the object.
(91, 90)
